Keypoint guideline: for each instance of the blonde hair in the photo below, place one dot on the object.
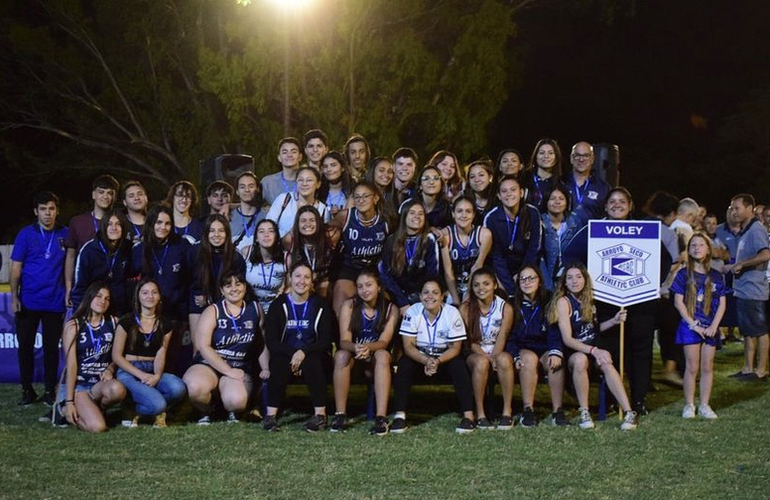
(691, 293)
(585, 297)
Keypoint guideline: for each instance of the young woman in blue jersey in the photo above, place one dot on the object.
(182, 197)
(532, 343)
(515, 228)
(265, 266)
(106, 258)
(214, 256)
(139, 351)
(364, 231)
(464, 248)
(336, 183)
(488, 319)
(430, 191)
(228, 341)
(451, 173)
(367, 325)
(410, 257)
(90, 379)
(432, 335)
(572, 310)
(162, 255)
(699, 296)
(298, 330)
(313, 242)
(543, 172)
(481, 188)
(559, 226)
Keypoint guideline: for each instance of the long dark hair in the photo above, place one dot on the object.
(398, 252)
(498, 170)
(132, 334)
(83, 311)
(488, 193)
(382, 306)
(276, 251)
(457, 179)
(474, 311)
(317, 240)
(207, 282)
(186, 188)
(122, 245)
(148, 236)
(541, 295)
(532, 167)
(346, 181)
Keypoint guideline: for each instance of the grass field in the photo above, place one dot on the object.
(666, 457)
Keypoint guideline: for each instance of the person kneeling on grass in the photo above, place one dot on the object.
(87, 341)
(699, 296)
(572, 310)
(432, 334)
(227, 339)
(298, 329)
(139, 351)
(488, 319)
(367, 324)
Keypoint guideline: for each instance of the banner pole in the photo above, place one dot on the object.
(622, 356)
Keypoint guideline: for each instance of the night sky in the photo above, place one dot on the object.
(660, 84)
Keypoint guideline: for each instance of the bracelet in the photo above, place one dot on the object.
(591, 351)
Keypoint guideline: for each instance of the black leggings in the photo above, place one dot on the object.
(458, 372)
(312, 374)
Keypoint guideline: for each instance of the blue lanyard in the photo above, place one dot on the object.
(286, 185)
(247, 227)
(96, 341)
(485, 327)
(578, 194)
(110, 264)
(136, 230)
(434, 325)
(411, 249)
(48, 245)
(236, 328)
(367, 325)
(147, 336)
(340, 199)
(463, 252)
(160, 263)
(513, 232)
(95, 222)
(531, 316)
(186, 228)
(265, 278)
(298, 318)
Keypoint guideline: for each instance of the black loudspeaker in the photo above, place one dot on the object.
(224, 168)
(607, 163)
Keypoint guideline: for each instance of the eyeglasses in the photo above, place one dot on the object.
(527, 279)
(426, 178)
(183, 196)
(582, 156)
(362, 197)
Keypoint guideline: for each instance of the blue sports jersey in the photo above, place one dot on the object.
(362, 245)
(94, 349)
(420, 267)
(41, 254)
(463, 256)
(581, 331)
(234, 336)
(718, 290)
(531, 332)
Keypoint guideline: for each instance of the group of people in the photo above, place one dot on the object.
(350, 261)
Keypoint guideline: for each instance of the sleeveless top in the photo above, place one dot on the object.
(266, 280)
(491, 324)
(94, 349)
(581, 330)
(233, 337)
(362, 245)
(463, 256)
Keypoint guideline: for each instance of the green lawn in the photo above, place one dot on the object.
(666, 457)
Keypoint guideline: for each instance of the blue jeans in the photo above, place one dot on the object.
(151, 401)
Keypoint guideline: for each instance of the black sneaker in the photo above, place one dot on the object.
(640, 408)
(528, 418)
(55, 417)
(232, 417)
(380, 427)
(28, 397)
(505, 423)
(484, 424)
(399, 426)
(558, 418)
(316, 423)
(49, 398)
(339, 422)
(270, 424)
(466, 426)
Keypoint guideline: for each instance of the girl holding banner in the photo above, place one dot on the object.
(699, 296)
(573, 312)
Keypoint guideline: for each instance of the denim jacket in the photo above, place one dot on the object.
(551, 264)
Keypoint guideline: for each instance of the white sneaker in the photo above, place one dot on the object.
(586, 422)
(629, 421)
(131, 423)
(706, 412)
(688, 411)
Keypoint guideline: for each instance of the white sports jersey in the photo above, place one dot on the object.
(433, 337)
(490, 325)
